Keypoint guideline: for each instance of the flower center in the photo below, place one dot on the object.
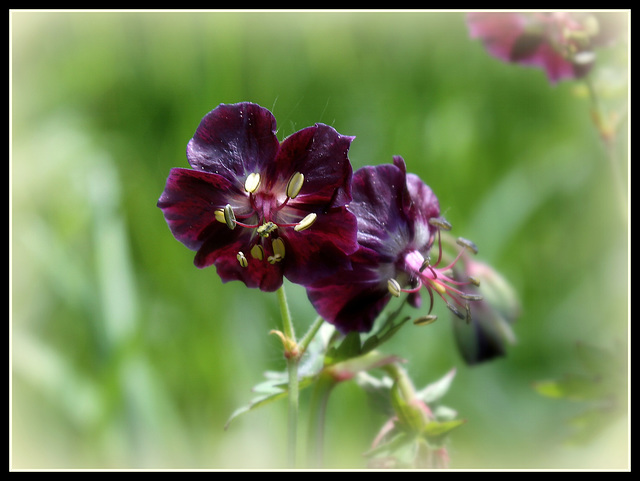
(439, 279)
(264, 209)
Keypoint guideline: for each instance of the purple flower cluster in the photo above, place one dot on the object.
(260, 210)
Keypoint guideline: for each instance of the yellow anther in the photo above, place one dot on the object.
(306, 222)
(295, 185)
(229, 217)
(265, 229)
(467, 244)
(474, 280)
(274, 258)
(440, 222)
(252, 183)
(425, 320)
(278, 248)
(394, 287)
(242, 259)
(257, 252)
(220, 216)
(459, 314)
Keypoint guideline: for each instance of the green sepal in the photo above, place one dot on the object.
(410, 416)
(437, 389)
(436, 430)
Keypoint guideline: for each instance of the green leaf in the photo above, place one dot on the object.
(255, 403)
(272, 390)
(349, 347)
(437, 389)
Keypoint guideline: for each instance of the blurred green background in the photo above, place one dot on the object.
(124, 355)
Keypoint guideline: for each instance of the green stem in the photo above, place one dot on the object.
(287, 324)
(292, 369)
(317, 410)
(399, 375)
(607, 134)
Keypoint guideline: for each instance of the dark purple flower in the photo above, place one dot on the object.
(398, 223)
(559, 42)
(257, 208)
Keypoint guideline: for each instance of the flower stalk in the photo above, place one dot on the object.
(292, 354)
(606, 126)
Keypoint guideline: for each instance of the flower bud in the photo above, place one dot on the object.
(491, 317)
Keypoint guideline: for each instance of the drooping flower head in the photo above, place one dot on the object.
(399, 224)
(489, 330)
(259, 209)
(561, 43)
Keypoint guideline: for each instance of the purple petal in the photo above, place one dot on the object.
(234, 140)
(424, 206)
(498, 31)
(320, 154)
(352, 298)
(322, 249)
(555, 65)
(189, 201)
(258, 273)
(379, 195)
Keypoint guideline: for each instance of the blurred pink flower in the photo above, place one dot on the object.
(561, 43)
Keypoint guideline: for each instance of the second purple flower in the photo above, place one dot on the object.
(398, 223)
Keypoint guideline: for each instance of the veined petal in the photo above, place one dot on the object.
(189, 202)
(322, 249)
(234, 140)
(257, 274)
(320, 154)
(379, 195)
(352, 298)
(423, 206)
